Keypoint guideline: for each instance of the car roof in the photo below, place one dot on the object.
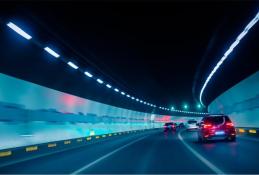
(217, 115)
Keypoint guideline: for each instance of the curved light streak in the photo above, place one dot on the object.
(227, 53)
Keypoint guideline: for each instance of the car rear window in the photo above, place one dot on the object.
(167, 124)
(192, 121)
(214, 120)
(227, 119)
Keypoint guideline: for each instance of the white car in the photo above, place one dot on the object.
(192, 125)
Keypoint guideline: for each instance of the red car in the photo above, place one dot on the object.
(169, 126)
(215, 127)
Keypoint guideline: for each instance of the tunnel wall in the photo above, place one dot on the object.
(32, 114)
(241, 102)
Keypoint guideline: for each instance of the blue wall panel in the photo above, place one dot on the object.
(241, 102)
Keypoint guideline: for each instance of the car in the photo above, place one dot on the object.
(191, 125)
(169, 126)
(181, 125)
(215, 127)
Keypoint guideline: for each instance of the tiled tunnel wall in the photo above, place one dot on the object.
(31, 114)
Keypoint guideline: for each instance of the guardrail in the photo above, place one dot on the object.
(58, 146)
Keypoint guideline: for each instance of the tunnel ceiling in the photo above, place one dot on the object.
(161, 51)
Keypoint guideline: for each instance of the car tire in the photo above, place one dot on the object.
(205, 140)
(231, 139)
(202, 140)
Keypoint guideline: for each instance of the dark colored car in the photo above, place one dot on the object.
(169, 126)
(181, 125)
(215, 127)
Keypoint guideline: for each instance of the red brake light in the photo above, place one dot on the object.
(206, 126)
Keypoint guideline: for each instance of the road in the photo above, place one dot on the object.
(151, 152)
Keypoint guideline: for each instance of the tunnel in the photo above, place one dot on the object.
(134, 87)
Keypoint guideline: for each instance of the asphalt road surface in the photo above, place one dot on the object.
(151, 152)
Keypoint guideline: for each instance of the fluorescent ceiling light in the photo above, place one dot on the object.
(227, 53)
(18, 30)
(72, 65)
(99, 81)
(88, 74)
(108, 86)
(51, 52)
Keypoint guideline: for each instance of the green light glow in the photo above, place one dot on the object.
(185, 106)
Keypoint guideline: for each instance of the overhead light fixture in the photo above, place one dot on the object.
(51, 52)
(227, 53)
(99, 81)
(88, 74)
(108, 86)
(72, 65)
(18, 30)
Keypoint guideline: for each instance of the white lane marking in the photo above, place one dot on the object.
(200, 157)
(105, 156)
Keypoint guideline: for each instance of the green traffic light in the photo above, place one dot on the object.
(199, 106)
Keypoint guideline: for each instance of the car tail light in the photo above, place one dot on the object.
(207, 126)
